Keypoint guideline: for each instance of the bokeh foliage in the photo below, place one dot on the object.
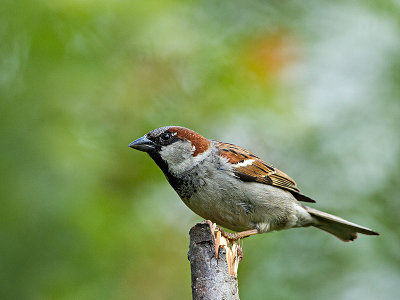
(310, 86)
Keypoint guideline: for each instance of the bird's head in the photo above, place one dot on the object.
(173, 148)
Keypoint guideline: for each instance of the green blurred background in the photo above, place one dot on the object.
(312, 87)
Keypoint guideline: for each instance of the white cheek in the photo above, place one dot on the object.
(179, 156)
(176, 153)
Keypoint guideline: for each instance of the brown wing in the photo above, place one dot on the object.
(249, 167)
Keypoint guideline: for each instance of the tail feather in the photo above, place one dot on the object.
(342, 229)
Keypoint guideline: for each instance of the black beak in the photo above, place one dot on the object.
(142, 144)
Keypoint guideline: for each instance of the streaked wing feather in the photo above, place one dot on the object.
(258, 171)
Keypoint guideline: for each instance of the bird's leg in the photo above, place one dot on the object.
(237, 235)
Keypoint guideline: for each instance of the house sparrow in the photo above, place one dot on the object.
(234, 188)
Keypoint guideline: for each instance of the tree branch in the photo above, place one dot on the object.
(213, 262)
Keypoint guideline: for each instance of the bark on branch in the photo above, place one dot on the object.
(213, 262)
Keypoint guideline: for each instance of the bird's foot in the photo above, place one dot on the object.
(236, 235)
(231, 243)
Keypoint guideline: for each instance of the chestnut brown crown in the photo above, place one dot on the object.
(164, 136)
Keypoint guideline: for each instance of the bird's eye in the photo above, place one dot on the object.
(165, 136)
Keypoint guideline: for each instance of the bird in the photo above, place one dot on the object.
(234, 188)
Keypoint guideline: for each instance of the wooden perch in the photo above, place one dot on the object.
(214, 261)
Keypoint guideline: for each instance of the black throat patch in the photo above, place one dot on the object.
(185, 185)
